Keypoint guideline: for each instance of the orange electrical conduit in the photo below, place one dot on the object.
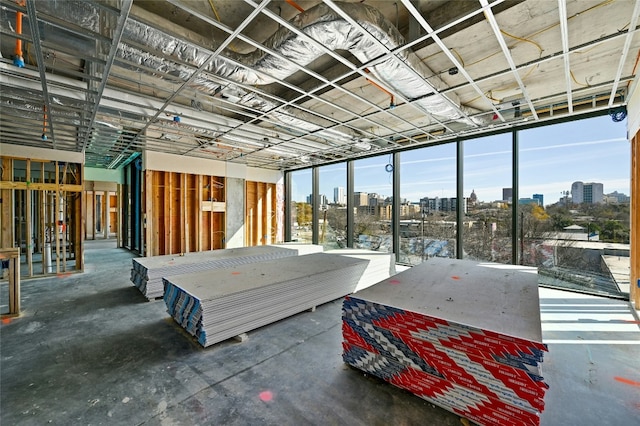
(294, 4)
(19, 60)
(392, 104)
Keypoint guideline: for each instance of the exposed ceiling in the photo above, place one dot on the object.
(286, 84)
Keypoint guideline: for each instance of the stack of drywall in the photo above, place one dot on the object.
(463, 335)
(381, 265)
(147, 272)
(217, 305)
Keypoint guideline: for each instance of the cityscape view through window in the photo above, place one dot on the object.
(572, 206)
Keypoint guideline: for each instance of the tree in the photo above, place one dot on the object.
(303, 213)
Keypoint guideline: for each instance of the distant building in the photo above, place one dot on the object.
(577, 192)
(540, 198)
(473, 198)
(588, 193)
(445, 205)
(529, 201)
(360, 199)
(507, 194)
(339, 195)
(617, 198)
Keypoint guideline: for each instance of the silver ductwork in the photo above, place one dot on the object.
(412, 79)
(408, 76)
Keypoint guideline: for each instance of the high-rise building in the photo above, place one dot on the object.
(577, 192)
(507, 194)
(360, 199)
(339, 195)
(540, 198)
(589, 193)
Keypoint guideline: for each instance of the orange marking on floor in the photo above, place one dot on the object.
(6, 320)
(455, 277)
(235, 273)
(626, 381)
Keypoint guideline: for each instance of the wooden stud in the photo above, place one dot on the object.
(63, 227)
(56, 216)
(28, 224)
(106, 207)
(78, 223)
(183, 212)
(13, 254)
(198, 213)
(166, 231)
(7, 239)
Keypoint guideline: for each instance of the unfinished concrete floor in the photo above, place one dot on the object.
(90, 349)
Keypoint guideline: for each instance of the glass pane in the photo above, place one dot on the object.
(578, 232)
(301, 212)
(36, 168)
(373, 188)
(427, 189)
(333, 206)
(19, 170)
(487, 189)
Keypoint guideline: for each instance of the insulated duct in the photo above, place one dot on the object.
(411, 79)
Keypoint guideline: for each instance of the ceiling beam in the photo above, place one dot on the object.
(451, 57)
(507, 54)
(35, 37)
(564, 32)
(97, 96)
(625, 51)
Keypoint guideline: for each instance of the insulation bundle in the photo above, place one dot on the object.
(147, 272)
(216, 305)
(463, 335)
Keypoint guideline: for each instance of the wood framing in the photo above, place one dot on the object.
(178, 214)
(13, 254)
(261, 214)
(41, 212)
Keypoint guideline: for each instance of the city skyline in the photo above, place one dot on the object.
(551, 159)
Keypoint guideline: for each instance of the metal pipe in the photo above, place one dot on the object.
(19, 60)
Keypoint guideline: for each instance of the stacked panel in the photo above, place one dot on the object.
(463, 335)
(381, 265)
(216, 305)
(147, 272)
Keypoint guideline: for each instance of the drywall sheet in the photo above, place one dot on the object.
(461, 334)
(147, 272)
(215, 307)
(381, 265)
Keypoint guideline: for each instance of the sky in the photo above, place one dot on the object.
(551, 159)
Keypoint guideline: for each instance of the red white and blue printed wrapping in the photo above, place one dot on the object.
(488, 376)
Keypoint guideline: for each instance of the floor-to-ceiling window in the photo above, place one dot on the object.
(574, 204)
(372, 204)
(567, 213)
(427, 203)
(300, 206)
(488, 198)
(332, 206)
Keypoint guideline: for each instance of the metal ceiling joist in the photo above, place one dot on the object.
(625, 50)
(117, 35)
(434, 36)
(564, 31)
(507, 54)
(204, 65)
(303, 94)
(393, 57)
(35, 36)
